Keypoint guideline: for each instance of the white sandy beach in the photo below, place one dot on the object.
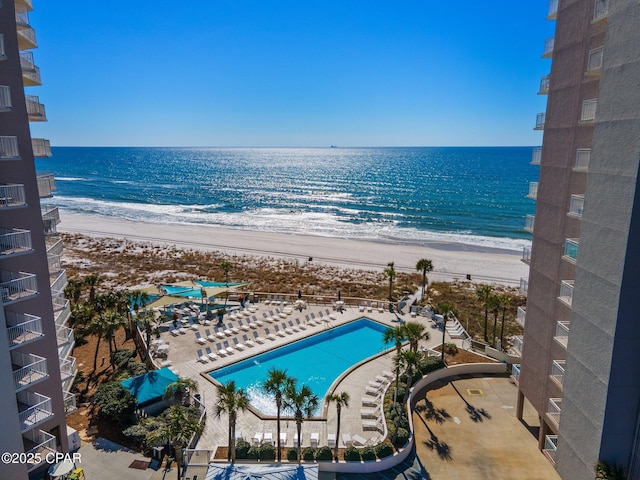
(451, 262)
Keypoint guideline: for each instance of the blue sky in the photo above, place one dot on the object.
(290, 73)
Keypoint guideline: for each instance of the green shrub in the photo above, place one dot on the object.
(400, 438)
(121, 357)
(352, 454)
(309, 454)
(242, 448)
(115, 402)
(324, 453)
(292, 455)
(253, 453)
(384, 450)
(135, 368)
(401, 422)
(368, 453)
(450, 348)
(431, 364)
(267, 452)
(137, 432)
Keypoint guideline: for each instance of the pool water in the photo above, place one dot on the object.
(315, 361)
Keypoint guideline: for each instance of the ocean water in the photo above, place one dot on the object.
(422, 195)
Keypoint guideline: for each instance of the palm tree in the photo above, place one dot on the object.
(98, 326)
(113, 322)
(226, 268)
(230, 401)
(483, 293)
(494, 305)
(505, 303)
(410, 360)
(448, 311)
(414, 332)
(92, 281)
(390, 273)
(341, 400)
(181, 425)
(395, 335)
(147, 321)
(73, 290)
(424, 265)
(302, 403)
(275, 384)
(178, 390)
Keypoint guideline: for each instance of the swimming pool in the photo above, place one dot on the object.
(315, 361)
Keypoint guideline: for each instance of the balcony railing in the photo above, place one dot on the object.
(554, 409)
(68, 369)
(41, 147)
(553, 10)
(22, 328)
(533, 190)
(600, 10)
(30, 72)
(524, 285)
(576, 206)
(61, 308)
(588, 114)
(550, 447)
(540, 117)
(536, 156)
(65, 338)
(16, 286)
(571, 249)
(34, 409)
(557, 371)
(54, 262)
(521, 316)
(35, 109)
(566, 292)
(69, 402)
(528, 223)
(28, 369)
(27, 4)
(562, 333)
(583, 155)
(5, 98)
(26, 38)
(55, 247)
(548, 47)
(544, 85)
(14, 241)
(50, 219)
(9, 148)
(22, 18)
(39, 444)
(46, 185)
(12, 195)
(594, 65)
(60, 281)
(515, 372)
(517, 344)
(526, 255)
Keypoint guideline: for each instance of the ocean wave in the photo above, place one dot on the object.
(70, 179)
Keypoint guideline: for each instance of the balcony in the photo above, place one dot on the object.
(548, 47)
(588, 114)
(533, 190)
(14, 241)
(46, 185)
(17, 286)
(524, 285)
(26, 37)
(566, 292)
(69, 402)
(528, 223)
(9, 148)
(544, 85)
(521, 316)
(68, 370)
(600, 10)
(553, 10)
(61, 308)
(50, 219)
(557, 372)
(576, 206)
(22, 328)
(594, 64)
(515, 372)
(35, 109)
(539, 121)
(37, 444)
(65, 339)
(30, 73)
(41, 147)
(54, 246)
(526, 255)
(12, 195)
(59, 281)
(571, 250)
(54, 263)
(28, 369)
(517, 344)
(562, 333)
(5, 99)
(536, 156)
(554, 409)
(550, 447)
(26, 4)
(583, 156)
(34, 409)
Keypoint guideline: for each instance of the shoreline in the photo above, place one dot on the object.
(451, 261)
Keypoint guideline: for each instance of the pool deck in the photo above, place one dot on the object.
(182, 353)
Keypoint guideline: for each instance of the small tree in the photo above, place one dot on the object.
(179, 390)
(115, 402)
(230, 400)
(415, 332)
(390, 273)
(302, 403)
(275, 384)
(483, 294)
(341, 400)
(424, 265)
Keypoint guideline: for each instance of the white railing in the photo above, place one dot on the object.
(528, 222)
(5, 98)
(588, 113)
(14, 241)
(44, 443)
(566, 291)
(553, 10)
(12, 195)
(22, 18)
(571, 249)
(61, 309)
(29, 35)
(562, 333)
(517, 343)
(540, 117)
(526, 255)
(536, 156)
(65, 340)
(26, 60)
(39, 409)
(68, 369)
(544, 85)
(576, 205)
(29, 69)
(524, 285)
(60, 281)
(23, 328)
(32, 369)
(583, 155)
(69, 402)
(557, 371)
(533, 190)
(54, 263)
(35, 109)
(9, 148)
(548, 47)
(56, 247)
(46, 185)
(554, 409)
(41, 147)
(521, 316)
(600, 10)
(594, 64)
(550, 447)
(515, 372)
(50, 219)
(17, 285)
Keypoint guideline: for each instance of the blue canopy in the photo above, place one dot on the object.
(150, 387)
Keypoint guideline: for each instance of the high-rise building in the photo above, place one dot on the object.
(36, 370)
(582, 330)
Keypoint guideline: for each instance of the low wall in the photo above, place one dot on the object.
(501, 356)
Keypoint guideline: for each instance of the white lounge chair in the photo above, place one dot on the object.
(370, 424)
(228, 348)
(360, 441)
(283, 438)
(369, 412)
(388, 374)
(380, 307)
(269, 335)
(257, 439)
(369, 307)
(267, 438)
(237, 345)
(370, 401)
(332, 316)
(331, 440)
(279, 332)
(248, 342)
(210, 337)
(199, 339)
(221, 350)
(361, 307)
(257, 338)
(315, 439)
(202, 357)
(174, 332)
(347, 440)
(212, 356)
